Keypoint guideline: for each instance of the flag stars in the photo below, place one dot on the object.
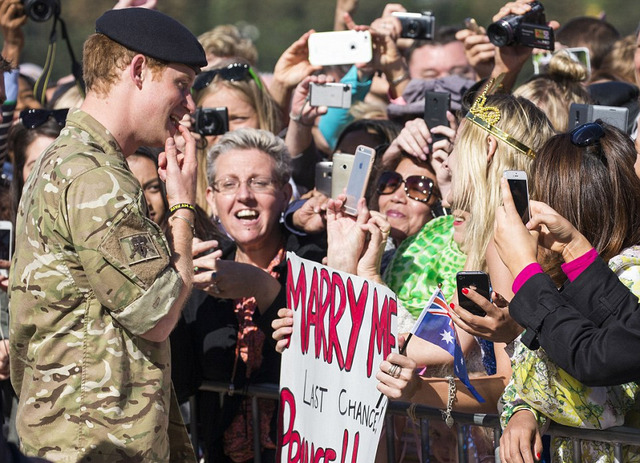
(446, 337)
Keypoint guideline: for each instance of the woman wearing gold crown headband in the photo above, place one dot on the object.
(500, 132)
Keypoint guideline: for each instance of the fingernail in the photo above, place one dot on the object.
(538, 456)
(452, 305)
(465, 291)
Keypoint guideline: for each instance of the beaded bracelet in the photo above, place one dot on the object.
(175, 207)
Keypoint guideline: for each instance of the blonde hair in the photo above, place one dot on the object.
(476, 183)
(266, 108)
(618, 63)
(103, 59)
(225, 41)
(555, 90)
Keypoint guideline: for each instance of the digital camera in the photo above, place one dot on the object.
(41, 10)
(419, 26)
(529, 29)
(211, 121)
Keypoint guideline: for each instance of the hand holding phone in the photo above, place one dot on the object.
(479, 282)
(359, 178)
(519, 187)
(6, 243)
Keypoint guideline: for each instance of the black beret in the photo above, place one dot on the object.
(153, 34)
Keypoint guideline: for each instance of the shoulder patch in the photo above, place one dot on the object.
(138, 248)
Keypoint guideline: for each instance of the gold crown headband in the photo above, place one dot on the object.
(486, 118)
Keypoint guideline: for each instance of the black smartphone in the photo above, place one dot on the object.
(436, 105)
(520, 192)
(479, 282)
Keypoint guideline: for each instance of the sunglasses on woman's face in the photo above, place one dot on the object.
(417, 187)
(233, 72)
(32, 118)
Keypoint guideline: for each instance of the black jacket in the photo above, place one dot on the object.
(591, 328)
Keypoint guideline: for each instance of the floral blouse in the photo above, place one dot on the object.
(539, 385)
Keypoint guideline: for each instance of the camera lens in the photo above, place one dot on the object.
(413, 29)
(501, 33)
(41, 10)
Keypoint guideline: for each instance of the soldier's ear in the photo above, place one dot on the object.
(137, 70)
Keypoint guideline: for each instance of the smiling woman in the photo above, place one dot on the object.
(248, 175)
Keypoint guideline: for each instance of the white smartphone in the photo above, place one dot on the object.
(340, 172)
(6, 243)
(519, 187)
(359, 178)
(341, 47)
(333, 95)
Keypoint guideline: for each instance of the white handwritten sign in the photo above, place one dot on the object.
(343, 329)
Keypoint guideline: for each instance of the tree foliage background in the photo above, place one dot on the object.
(274, 24)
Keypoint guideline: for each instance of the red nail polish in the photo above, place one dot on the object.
(452, 305)
(538, 456)
(465, 291)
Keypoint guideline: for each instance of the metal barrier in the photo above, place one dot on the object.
(618, 436)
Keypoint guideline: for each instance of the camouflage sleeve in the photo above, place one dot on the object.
(124, 255)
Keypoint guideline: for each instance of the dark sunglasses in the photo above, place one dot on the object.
(233, 72)
(587, 134)
(417, 187)
(32, 118)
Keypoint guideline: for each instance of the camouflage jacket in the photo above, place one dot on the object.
(90, 274)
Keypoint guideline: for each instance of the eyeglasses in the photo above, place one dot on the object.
(32, 118)
(233, 72)
(417, 187)
(587, 134)
(230, 185)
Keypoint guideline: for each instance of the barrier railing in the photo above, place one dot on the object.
(617, 436)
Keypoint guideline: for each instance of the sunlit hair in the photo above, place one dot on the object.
(103, 60)
(595, 187)
(266, 108)
(555, 90)
(618, 63)
(476, 182)
(247, 139)
(225, 41)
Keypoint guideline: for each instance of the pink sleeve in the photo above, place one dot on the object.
(574, 268)
(526, 273)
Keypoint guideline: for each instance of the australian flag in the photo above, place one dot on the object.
(435, 325)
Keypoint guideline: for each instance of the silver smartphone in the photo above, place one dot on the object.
(613, 115)
(332, 95)
(341, 47)
(6, 243)
(340, 172)
(323, 177)
(519, 187)
(359, 178)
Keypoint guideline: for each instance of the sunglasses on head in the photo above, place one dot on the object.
(233, 72)
(417, 187)
(587, 134)
(32, 118)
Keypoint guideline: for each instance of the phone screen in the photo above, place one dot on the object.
(359, 177)
(5, 244)
(520, 197)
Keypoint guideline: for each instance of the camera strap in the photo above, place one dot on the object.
(40, 88)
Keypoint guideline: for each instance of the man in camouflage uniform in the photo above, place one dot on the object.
(95, 286)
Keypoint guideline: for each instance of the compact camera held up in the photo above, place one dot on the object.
(41, 10)
(211, 121)
(419, 26)
(529, 29)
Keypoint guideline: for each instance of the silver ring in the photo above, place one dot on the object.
(395, 370)
(215, 288)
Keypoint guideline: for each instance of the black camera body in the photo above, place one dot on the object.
(41, 10)
(529, 29)
(211, 121)
(419, 26)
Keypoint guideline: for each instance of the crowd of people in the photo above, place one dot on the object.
(153, 204)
